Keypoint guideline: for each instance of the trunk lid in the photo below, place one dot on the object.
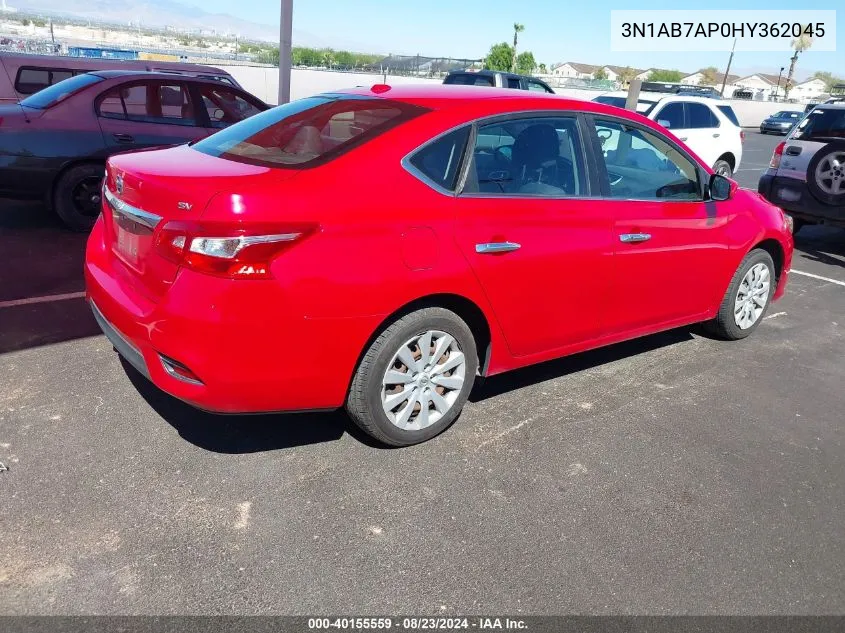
(146, 190)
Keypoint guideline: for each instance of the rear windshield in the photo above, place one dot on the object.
(469, 79)
(821, 123)
(728, 111)
(52, 95)
(307, 132)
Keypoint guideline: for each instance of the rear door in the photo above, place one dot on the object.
(538, 242)
(670, 245)
(149, 113)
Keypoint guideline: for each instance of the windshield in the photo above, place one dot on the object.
(52, 95)
(786, 114)
(821, 123)
(307, 132)
(643, 106)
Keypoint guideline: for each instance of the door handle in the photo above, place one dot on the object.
(683, 138)
(123, 138)
(633, 238)
(716, 135)
(490, 248)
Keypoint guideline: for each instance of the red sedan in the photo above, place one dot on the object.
(380, 248)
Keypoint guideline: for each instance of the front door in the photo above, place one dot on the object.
(539, 244)
(668, 240)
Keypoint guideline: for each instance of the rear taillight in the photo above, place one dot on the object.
(224, 251)
(742, 136)
(777, 155)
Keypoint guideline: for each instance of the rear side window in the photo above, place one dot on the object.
(307, 132)
(469, 79)
(52, 95)
(821, 123)
(728, 111)
(700, 116)
(440, 161)
(513, 82)
(149, 102)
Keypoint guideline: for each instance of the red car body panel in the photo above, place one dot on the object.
(384, 241)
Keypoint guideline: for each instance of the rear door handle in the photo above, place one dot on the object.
(490, 248)
(633, 238)
(683, 138)
(716, 135)
(123, 138)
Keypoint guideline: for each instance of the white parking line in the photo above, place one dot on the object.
(47, 299)
(827, 279)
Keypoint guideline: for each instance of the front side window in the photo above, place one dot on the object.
(469, 79)
(641, 165)
(672, 116)
(700, 116)
(225, 106)
(528, 157)
(536, 86)
(440, 161)
(307, 132)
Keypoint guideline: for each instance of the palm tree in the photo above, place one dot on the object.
(626, 75)
(799, 45)
(328, 59)
(517, 29)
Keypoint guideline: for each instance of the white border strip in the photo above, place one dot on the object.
(827, 279)
(47, 299)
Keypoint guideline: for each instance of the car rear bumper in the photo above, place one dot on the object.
(794, 197)
(249, 351)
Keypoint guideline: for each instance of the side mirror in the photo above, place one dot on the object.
(664, 123)
(721, 188)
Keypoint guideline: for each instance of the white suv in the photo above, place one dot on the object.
(709, 127)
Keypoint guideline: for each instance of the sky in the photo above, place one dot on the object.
(555, 30)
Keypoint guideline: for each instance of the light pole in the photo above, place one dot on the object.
(777, 89)
(285, 37)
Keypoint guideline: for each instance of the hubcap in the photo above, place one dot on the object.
(423, 380)
(752, 296)
(724, 170)
(86, 196)
(830, 173)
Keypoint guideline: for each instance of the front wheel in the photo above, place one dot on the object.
(723, 168)
(415, 378)
(747, 298)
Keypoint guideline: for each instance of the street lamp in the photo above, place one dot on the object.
(285, 37)
(777, 89)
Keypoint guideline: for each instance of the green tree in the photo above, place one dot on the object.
(710, 76)
(667, 76)
(627, 75)
(830, 80)
(345, 59)
(328, 57)
(799, 45)
(500, 57)
(517, 29)
(525, 63)
(542, 69)
(601, 73)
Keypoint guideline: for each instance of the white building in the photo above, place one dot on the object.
(762, 85)
(810, 90)
(574, 70)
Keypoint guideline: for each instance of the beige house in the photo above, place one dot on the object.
(810, 90)
(614, 72)
(574, 70)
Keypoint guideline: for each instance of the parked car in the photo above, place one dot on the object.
(54, 144)
(806, 176)
(486, 234)
(22, 75)
(496, 79)
(780, 122)
(709, 127)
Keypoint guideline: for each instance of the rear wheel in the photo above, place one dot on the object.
(77, 196)
(747, 298)
(415, 378)
(723, 168)
(826, 174)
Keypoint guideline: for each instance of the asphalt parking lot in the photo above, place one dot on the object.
(670, 475)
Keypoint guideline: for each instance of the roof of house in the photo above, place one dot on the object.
(769, 79)
(719, 74)
(810, 80)
(583, 68)
(620, 69)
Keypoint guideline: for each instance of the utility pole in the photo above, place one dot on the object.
(727, 70)
(285, 41)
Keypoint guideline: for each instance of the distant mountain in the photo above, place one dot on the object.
(161, 13)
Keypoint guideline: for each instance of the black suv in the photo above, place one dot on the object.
(497, 79)
(806, 177)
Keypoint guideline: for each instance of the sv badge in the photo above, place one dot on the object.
(185, 206)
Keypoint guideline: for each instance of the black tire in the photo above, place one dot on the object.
(364, 403)
(723, 167)
(813, 184)
(762, 131)
(724, 325)
(76, 196)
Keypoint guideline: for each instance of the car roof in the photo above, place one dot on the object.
(486, 72)
(839, 105)
(152, 74)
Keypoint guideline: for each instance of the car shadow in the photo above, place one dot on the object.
(510, 381)
(41, 279)
(239, 434)
(822, 244)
